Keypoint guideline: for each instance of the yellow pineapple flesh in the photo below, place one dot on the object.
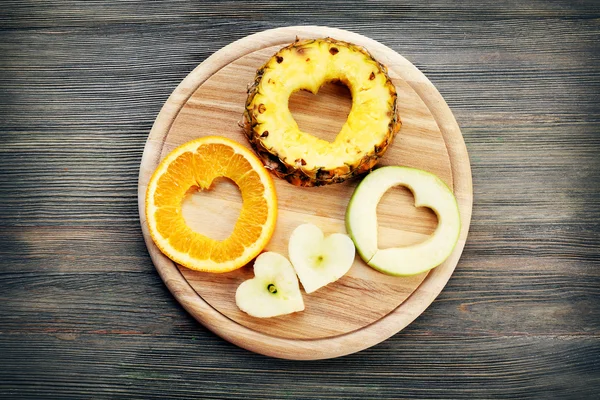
(299, 157)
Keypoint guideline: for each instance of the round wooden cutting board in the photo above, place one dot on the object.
(364, 307)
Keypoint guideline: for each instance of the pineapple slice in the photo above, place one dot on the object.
(299, 157)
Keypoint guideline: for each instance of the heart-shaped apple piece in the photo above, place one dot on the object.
(429, 191)
(319, 260)
(273, 291)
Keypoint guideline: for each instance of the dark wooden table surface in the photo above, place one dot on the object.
(83, 312)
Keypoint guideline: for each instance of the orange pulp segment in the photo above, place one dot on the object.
(194, 166)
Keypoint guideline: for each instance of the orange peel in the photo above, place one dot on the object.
(195, 165)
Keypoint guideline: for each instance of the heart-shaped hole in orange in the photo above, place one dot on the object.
(397, 211)
(202, 210)
(322, 115)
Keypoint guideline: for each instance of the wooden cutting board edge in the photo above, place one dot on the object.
(371, 334)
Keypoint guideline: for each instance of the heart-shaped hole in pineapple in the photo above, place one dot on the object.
(202, 210)
(323, 114)
(397, 211)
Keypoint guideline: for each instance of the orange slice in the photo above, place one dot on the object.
(193, 166)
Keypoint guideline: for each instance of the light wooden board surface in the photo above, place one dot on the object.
(342, 317)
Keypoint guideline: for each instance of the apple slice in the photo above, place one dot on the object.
(273, 291)
(429, 191)
(319, 260)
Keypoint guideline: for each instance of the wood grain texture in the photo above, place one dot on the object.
(361, 297)
(82, 311)
(362, 308)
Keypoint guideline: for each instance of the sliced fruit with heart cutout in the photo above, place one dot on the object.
(429, 191)
(273, 291)
(193, 166)
(319, 260)
(299, 157)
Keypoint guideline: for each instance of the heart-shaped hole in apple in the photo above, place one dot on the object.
(215, 211)
(429, 191)
(397, 211)
(323, 114)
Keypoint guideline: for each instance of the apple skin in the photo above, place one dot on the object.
(429, 191)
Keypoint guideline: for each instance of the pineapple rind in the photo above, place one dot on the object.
(303, 159)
